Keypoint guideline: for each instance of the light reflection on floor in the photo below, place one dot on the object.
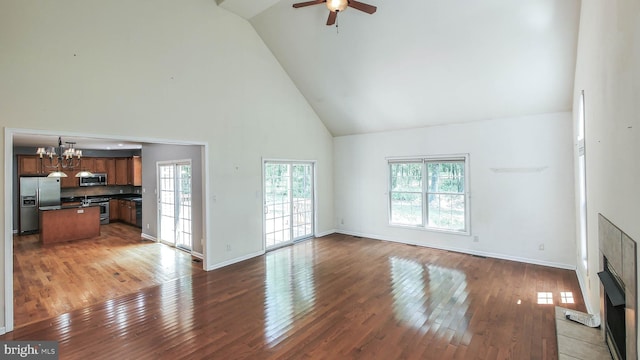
(181, 307)
(566, 297)
(428, 294)
(408, 282)
(289, 291)
(168, 258)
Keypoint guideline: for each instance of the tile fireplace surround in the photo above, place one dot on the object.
(620, 251)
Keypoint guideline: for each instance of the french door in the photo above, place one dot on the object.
(174, 203)
(288, 202)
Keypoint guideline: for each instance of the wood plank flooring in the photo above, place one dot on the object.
(54, 279)
(337, 297)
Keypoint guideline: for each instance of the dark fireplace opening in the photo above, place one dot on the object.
(615, 325)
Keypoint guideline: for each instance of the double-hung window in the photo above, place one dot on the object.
(430, 192)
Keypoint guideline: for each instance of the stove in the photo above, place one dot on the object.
(104, 208)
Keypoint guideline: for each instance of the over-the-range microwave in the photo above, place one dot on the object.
(95, 180)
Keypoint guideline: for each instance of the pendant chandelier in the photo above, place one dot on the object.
(63, 157)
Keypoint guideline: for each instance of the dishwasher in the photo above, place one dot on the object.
(138, 213)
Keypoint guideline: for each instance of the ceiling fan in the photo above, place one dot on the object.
(336, 6)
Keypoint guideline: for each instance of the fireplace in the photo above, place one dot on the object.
(614, 310)
(618, 290)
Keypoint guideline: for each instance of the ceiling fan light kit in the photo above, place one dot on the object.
(336, 6)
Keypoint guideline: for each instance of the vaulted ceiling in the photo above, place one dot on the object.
(418, 63)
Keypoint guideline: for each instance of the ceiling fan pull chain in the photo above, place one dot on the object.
(337, 30)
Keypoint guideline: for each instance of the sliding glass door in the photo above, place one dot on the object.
(174, 204)
(288, 202)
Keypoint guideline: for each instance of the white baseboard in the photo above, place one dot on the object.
(464, 251)
(3, 330)
(197, 255)
(325, 233)
(15, 232)
(148, 237)
(255, 254)
(233, 261)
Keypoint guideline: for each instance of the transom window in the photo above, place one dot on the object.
(429, 192)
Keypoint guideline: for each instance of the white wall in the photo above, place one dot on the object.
(183, 70)
(151, 155)
(511, 213)
(608, 70)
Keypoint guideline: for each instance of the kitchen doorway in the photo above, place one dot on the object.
(289, 209)
(159, 149)
(174, 204)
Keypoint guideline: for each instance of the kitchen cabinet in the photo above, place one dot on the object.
(125, 211)
(87, 164)
(70, 181)
(29, 165)
(100, 166)
(135, 171)
(114, 209)
(122, 171)
(111, 171)
(57, 225)
(132, 213)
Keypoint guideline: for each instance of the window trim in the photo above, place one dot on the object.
(424, 160)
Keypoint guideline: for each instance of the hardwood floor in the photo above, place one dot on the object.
(54, 279)
(329, 298)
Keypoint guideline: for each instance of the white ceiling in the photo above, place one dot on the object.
(417, 63)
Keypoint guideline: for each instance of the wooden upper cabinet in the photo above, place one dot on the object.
(100, 166)
(122, 171)
(111, 171)
(71, 180)
(88, 164)
(135, 171)
(29, 165)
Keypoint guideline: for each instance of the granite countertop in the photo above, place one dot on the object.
(62, 207)
(134, 197)
(124, 196)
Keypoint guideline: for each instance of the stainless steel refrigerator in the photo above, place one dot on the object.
(34, 193)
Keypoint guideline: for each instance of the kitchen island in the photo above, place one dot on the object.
(66, 223)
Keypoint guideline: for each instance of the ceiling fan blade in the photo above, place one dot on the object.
(369, 9)
(308, 3)
(332, 17)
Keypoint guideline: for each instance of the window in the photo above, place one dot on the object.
(430, 193)
(582, 185)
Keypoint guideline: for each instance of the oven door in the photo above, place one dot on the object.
(104, 212)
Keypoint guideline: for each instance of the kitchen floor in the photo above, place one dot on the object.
(55, 279)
